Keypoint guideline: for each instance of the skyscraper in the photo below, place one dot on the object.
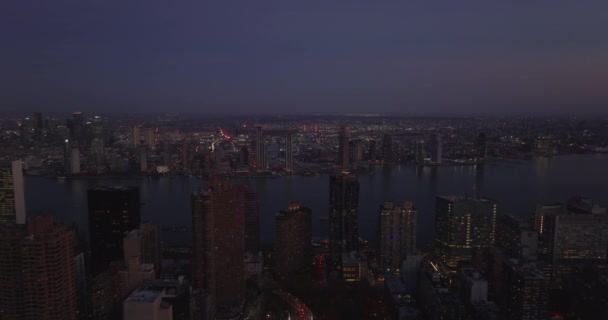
(343, 153)
(75, 161)
(387, 148)
(218, 247)
(343, 219)
(12, 196)
(288, 154)
(260, 150)
(293, 248)
(356, 152)
(37, 271)
(78, 128)
(252, 218)
(135, 137)
(436, 148)
(396, 234)
(462, 225)
(113, 212)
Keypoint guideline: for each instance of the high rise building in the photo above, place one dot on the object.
(387, 148)
(37, 124)
(343, 153)
(288, 154)
(396, 235)
(135, 269)
(150, 244)
(135, 136)
(252, 218)
(37, 271)
(113, 212)
(356, 152)
(343, 220)
(293, 248)
(78, 128)
(420, 152)
(462, 225)
(260, 150)
(150, 138)
(12, 196)
(218, 248)
(527, 288)
(436, 148)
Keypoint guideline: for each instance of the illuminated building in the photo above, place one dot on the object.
(396, 235)
(462, 225)
(113, 212)
(527, 288)
(218, 248)
(12, 197)
(343, 219)
(293, 248)
(343, 153)
(37, 271)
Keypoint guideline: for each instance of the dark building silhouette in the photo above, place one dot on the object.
(343, 219)
(288, 153)
(293, 248)
(113, 212)
(244, 156)
(387, 148)
(217, 250)
(396, 234)
(343, 153)
(463, 225)
(251, 207)
(12, 196)
(436, 148)
(372, 150)
(37, 271)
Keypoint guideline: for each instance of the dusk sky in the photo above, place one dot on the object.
(407, 57)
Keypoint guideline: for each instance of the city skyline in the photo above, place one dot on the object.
(394, 58)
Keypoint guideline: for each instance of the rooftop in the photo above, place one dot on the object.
(147, 296)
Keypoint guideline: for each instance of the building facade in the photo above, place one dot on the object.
(113, 212)
(218, 247)
(396, 235)
(12, 194)
(293, 248)
(463, 225)
(343, 219)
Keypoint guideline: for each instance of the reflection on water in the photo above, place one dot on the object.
(519, 184)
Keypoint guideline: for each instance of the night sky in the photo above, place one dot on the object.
(256, 56)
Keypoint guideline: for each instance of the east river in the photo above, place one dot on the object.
(519, 184)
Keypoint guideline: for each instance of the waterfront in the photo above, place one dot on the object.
(519, 184)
